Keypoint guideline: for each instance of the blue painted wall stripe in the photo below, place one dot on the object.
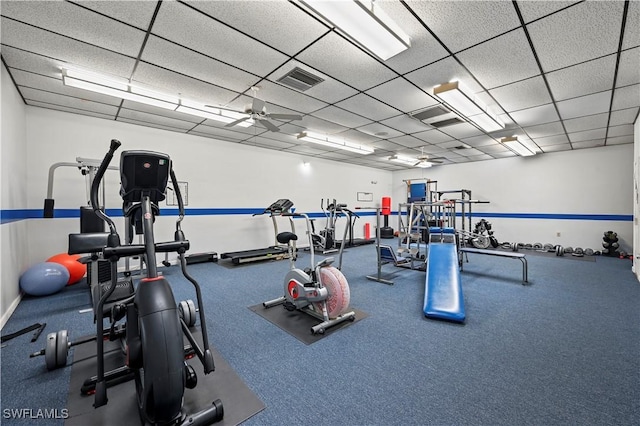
(7, 216)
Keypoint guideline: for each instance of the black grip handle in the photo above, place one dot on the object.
(115, 144)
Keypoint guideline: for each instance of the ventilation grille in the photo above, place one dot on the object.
(437, 116)
(300, 79)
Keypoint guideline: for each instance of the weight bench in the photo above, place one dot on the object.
(507, 254)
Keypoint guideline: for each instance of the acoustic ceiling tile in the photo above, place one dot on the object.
(264, 142)
(424, 47)
(585, 105)
(443, 71)
(379, 130)
(406, 123)
(629, 68)
(619, 140)
(335, 155)
(277, 95)
(162, 112)
(626, 97)
(387, 145)
(133, 12)
(341, 116)
(588, 122)
(328, 90)
(295, 28)
(407, 141)
(187, 62)
(359, 137)
(214, 39)
(632, 27)
(433, 136)
(522, 94)
(307, 149)
(587, 135)
(462, 130)
(63, 49)
(314, 124)
(368, 107)
(463, 24)
(340, 59)
(146, 117)
(154, 125)
(481, 157)
(543, 130)
(623, 116)
(588, 144)
(532, 10)
(494, 148)
(67, 101)
(583, 79)
(552, 140)
(504, 154)
(536, 115)
(622, 130)
(479, 141)
(431, 149)
(469, 152)
(75, 22)
(558, 147)
(502, 60)
(579, 33)
(218, 132)
(401, 94)
(85, 111)
(32, 62)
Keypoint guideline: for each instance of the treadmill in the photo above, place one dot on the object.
(275, 252)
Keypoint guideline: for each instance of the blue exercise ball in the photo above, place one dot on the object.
(43, 279)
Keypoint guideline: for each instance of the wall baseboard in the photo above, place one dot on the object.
(5, 317)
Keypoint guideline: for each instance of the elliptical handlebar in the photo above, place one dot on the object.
(95, 186)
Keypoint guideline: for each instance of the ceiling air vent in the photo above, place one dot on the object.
(300, 79)
(437, 116)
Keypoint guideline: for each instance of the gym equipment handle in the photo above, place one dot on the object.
(137, 249)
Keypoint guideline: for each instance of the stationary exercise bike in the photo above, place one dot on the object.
(321, 291)
(154, 327)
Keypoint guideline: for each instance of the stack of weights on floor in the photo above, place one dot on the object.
(610, 244)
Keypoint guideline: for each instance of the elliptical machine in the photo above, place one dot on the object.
(321, 291)
(154, 328)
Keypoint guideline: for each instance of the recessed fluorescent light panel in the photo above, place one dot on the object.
(459, 98)
(517, 146)
(408, 161)
(335, 142)
(365, 23)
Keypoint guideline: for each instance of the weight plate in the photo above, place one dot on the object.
(588, 252)
(185, 313)
(50, 351)
(559, 251)
(537, 246)
(192, 311)
(548, 247)
(494, 242)
(62, 348)
(568, 250)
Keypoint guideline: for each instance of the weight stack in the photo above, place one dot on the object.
(610, 244)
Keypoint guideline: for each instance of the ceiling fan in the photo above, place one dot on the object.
(257, 111)
(422, 160)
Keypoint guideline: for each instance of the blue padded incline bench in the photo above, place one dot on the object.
(443, 297)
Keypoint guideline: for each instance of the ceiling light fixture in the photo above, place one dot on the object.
(365, 23)
(457, 97)
(407, 161)
(514, 144)
(335, 142)
(210, 113)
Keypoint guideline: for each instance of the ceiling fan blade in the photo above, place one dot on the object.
(257, 106)
(269, 125)
(285, 116)
(233, 123)
(417, 163)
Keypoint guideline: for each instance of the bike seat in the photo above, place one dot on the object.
(285, 237)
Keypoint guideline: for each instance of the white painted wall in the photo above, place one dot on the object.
(636, 196)
(596, 181)
(13, 182)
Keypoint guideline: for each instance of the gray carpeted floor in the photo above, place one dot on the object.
(563, 350)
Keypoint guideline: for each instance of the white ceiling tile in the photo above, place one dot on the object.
(369, 107)
(408, 141)
(145, 117)
(329, 90)
(585, 105)
(588, 122)
(433, 136)
(583, 79)
(536, 115)
(479, 141)
(463, 24)
(187, 62)
(626, 97)
(401, 94)
(84, 111)
(162, 112)
(462, 130)
(629, 67)
(557, 148)
(406, 123)
(470, 152)
(341, 116)
(623, 116)
(443, 71)
(314, 124)
(552, 140)
(494, 148)
(582, 32)
(619, 140)
(133, 12)
(78, 23)
(632, 27)
(588, 144)
(523, 94)
(217, 132)
(387, 145)
(379, 130)
(335, 56)
(432, 149)
(27, 61)
(67, 101)
(622, 130)
(214, 39)
(502, 60)
(452, 144)
(268, 143)
(587, 135)
(504, 154)
(307, 149)
(259, 18)
(278, 95)
(424, 47)
(356, 136)
(532, 10)
(155, 125)
(543, 130)
(58, 48)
